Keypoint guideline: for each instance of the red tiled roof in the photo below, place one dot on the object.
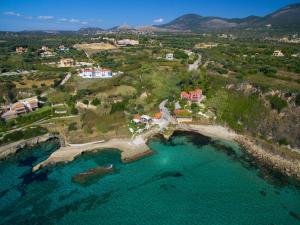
(184, 94)
(157, 116)
(137, 117)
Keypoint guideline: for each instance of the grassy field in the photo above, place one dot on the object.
(93, 48)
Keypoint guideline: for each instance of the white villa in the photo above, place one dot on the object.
(278, 53)
(96, 73)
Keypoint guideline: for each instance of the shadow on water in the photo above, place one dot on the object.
(29, 177)
(158, 177)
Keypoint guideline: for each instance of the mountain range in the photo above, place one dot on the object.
(287, 17)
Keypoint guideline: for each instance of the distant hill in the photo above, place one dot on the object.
(286, 17)
(124, 27)
(90, 30)
(195, 22)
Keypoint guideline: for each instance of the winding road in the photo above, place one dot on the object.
(196, 64)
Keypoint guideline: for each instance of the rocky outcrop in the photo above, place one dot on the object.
(15, 147)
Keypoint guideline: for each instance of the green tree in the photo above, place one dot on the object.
(178, 54)
(96, 102)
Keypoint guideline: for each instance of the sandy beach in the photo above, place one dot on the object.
(213, 131)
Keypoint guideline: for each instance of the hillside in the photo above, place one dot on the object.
(288, 16)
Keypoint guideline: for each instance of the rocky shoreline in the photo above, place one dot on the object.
(13, 148)
(288, 167)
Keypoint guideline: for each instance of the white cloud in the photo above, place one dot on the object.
(11, 14)
(45, 17)
(28, 17)
(84, 23)
(63, 19)
(159, 20)
(74, 21)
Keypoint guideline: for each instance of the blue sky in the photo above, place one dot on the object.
(16, 15)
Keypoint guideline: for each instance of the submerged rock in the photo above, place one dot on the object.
(92, 174)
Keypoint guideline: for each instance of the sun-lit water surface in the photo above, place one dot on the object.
(190, 180)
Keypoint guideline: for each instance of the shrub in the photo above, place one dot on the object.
(72, 126)
(117, 107)
(85, 101)
(74, 110)
(277, 102)
(268, 70)
(297, 101)
(283, 141)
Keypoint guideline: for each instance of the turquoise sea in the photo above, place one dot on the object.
(191, 179)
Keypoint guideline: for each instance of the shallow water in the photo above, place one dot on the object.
(190, 180)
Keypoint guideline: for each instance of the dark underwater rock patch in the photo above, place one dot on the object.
(263, 193)
(167, 187)
(170, 174)
(2, 193)
(195, 138)
(294, 215)
(66, 196)
(28, 161)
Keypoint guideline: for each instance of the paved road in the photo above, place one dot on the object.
(196, 64)
(67, 77)
(166, 115)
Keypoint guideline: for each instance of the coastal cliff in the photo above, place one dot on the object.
(15, 147)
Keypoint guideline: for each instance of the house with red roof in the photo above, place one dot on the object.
(194, 96)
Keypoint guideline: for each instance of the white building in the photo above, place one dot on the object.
(96, 73)
(170, 56)
(278, 53)
(63, 48)
(44, 48)
(47, 54)
(126, 42)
